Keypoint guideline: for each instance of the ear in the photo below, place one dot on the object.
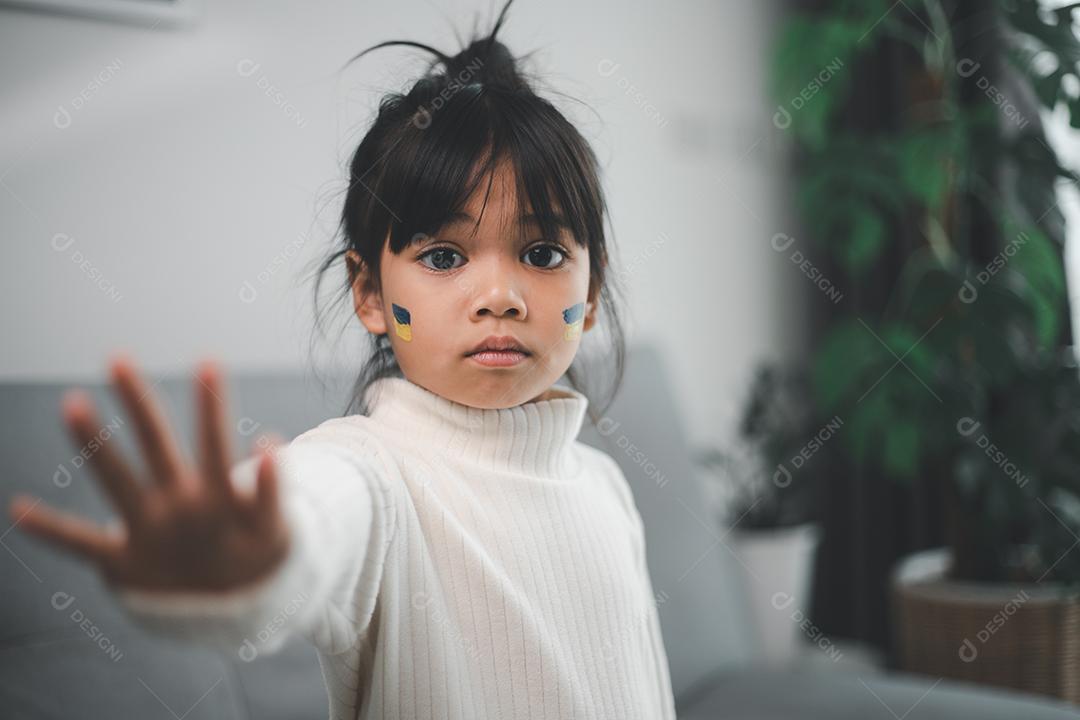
(590, 310)
(367, 304)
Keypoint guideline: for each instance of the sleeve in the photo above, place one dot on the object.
(654, 640)
(324, 588)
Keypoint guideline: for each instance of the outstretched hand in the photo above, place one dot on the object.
(184, 528)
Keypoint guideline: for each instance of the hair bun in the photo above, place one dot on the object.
(485, 62)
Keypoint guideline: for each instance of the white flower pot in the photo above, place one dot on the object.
(778, 563)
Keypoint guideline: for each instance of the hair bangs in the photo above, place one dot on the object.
(460, 147)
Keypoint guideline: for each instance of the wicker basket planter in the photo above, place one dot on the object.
(1020, 636)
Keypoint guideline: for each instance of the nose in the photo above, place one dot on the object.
(497, 293)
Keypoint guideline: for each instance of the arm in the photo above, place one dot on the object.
(193, 556)
(653, 639)
(337, 513)
(665, 697)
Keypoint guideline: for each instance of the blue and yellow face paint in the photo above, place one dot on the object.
(574, 317)
(402, 322)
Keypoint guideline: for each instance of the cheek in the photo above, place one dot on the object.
(573, 318)
(402, 322)
(561, 307)
(419, 318)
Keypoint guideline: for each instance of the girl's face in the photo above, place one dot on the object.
(445, 295)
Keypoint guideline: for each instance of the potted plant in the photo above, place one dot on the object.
(1001, 603)
(950, 356)
(769, 506)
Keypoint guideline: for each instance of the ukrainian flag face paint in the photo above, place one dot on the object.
(573, 316)
(402, 322)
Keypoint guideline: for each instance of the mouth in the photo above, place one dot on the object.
(502, 351)
(498, 358)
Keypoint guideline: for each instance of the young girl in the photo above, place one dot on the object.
(452, 551)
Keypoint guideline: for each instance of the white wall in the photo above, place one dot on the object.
(179, 178)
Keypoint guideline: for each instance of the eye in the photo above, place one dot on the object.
(442, 257)
(542, 255)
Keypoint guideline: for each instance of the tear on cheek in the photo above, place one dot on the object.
(573, 317)
(402, 322)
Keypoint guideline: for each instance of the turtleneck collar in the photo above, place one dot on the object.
(533, 438)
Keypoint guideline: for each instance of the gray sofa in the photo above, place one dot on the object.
(66, 650)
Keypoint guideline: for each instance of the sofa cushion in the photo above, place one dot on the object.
(119, 675)
(65, 644)
(698, 584)
(832, 695)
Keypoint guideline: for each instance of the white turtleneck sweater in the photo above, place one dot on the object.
(450, 562)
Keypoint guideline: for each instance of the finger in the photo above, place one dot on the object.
(267, 490)
(77, 536)
(214, 446)
(157, 441)
(120, 482)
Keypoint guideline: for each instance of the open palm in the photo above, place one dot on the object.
(184, 528)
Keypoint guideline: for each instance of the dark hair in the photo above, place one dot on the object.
(425, 155)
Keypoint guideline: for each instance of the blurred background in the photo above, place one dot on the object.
(194, 171)
(849, 230)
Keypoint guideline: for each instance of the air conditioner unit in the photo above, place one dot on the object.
(155, 13)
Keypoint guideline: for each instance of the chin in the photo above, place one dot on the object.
(499, 390)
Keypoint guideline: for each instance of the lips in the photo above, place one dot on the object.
(500, 343)
(498, 358)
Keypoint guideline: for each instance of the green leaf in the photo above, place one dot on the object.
(924, 164)
(901, 454)
(866, 239)
(989, 324)
(846, 353)
(1036, 260)
(810, 73)
(868, 417)
(912, 349)
(850, 191)
(855, 356)
(1047, 88)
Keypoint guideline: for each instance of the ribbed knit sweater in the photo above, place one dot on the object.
(449, 562)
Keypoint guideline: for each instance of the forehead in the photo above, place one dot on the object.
(492, 216)
(495, 205)
(495, 201)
